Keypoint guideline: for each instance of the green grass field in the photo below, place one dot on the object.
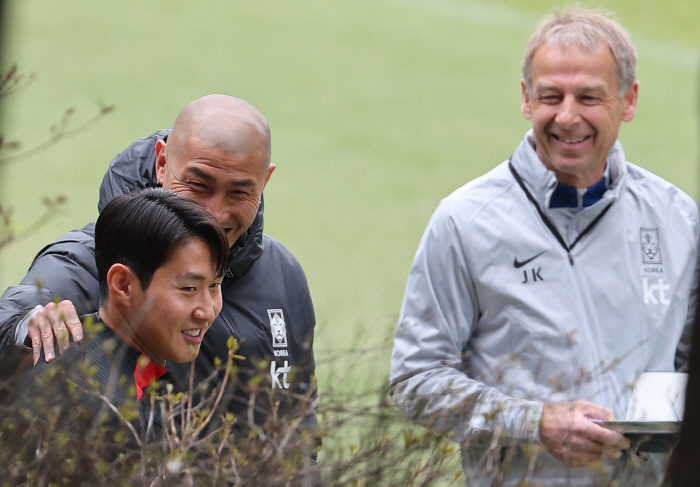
(378, 109)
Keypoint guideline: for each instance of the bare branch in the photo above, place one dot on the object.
(59, 132)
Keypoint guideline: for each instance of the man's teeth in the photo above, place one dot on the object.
(572, 141)
(192, 333)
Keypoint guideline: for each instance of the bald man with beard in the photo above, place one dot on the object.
(217, 154)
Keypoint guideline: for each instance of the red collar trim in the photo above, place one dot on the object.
(146, 373)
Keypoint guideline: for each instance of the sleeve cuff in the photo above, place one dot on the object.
(22, 331)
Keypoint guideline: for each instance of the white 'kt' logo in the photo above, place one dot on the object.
(651, 290)
(276, 371)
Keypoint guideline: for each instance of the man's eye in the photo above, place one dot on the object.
(216, 285)
(549, 99)
(188, 288)
(197, 185)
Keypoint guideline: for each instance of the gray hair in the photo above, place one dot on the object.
(585, 28)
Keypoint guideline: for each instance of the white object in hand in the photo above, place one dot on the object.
(658, 396)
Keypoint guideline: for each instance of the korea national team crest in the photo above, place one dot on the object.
(278, 327)
(651, 249)
(279, 340)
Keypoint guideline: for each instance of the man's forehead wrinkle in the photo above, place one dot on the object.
(542, 85)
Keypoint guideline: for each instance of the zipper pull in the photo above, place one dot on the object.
(571, 259)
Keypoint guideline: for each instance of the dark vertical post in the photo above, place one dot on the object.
(3, 32)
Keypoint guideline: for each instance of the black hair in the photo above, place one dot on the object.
(142, 229)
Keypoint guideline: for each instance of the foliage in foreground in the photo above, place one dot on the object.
(56, 430)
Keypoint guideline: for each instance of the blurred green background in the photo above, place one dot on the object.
(378, 109)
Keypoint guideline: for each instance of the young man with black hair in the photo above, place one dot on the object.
(160, 262)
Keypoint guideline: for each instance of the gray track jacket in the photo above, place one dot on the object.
(499, 318)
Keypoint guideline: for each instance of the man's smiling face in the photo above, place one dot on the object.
(575, 110)
(179, 305)
(228, 186)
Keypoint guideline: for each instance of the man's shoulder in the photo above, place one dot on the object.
(131, 169)
(485, 186)
(78, 244)
(480, 193)
(659, 191)
(66, 269)
(85, 236)
(275, 251)
(80, 235)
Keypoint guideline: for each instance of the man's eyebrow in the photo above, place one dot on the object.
(235, 183)
(190, 276)
(243, 183)
(198, 172)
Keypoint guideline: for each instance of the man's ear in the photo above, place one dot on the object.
(269, 173)
(525, 101)
(629, 101)
(123, 284)
(160, 161)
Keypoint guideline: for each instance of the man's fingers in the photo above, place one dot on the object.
(592, 410)
(597, 439)
(59, 331)
(35, 337)
(579, 451)
(55, 321)
(71, 320)
(570, 436)
(610, 439)
(43, 327)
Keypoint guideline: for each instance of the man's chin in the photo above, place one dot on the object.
(232, 237)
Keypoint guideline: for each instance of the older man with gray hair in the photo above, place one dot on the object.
(541, 290)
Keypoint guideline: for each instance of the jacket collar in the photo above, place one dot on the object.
(542, 182)
(248, 248)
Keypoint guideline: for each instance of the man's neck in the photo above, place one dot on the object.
(119, 324)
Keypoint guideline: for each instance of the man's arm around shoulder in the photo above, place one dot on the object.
(64, 270)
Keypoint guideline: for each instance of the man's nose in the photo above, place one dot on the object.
(568, 113)
(205, 310)
(217, 207)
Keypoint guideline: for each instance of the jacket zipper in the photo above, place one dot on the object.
(229, 325)
(548, 222)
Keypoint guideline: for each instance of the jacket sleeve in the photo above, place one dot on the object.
(64, 269)
(683, 350)
(307, 366)
(440, 313)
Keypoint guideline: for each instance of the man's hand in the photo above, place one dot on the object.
(55, 320)
(571, 437)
